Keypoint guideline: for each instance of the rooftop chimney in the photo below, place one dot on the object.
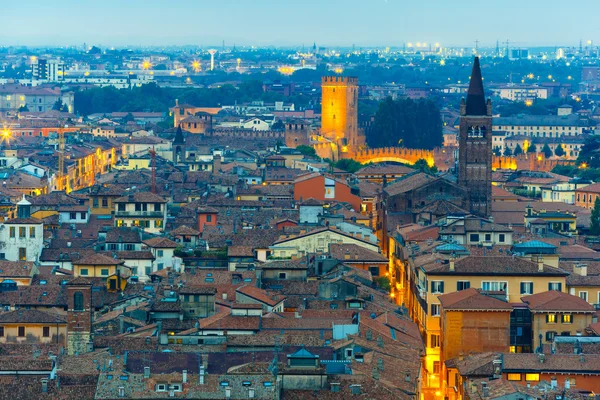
(580, 269)
(452, 264)
(184, 376)
(45, 385)
(146, 372)
(540, 266)
(485, 389)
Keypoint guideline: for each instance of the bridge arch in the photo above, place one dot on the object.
(392, 154)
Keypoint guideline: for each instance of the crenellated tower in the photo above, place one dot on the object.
(475, 146)
(339, 112)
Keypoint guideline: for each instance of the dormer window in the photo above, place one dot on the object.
(161, 387)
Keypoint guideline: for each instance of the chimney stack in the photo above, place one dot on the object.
(452, 265)
(580, 269)
(184, 376)
(45, 385)
(146, 372)
(540, 266)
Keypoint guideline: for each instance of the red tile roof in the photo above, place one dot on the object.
(553, 300)
(472, 300)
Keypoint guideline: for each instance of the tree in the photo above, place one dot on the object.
(278, 126)
(532, 148)
(128, 118)
(595, 218)
(414, 123)
(559, 151)
(383, 282)
(497, 151)
(422, 166)
(518, 150)
(348, 165)
(307, 151)
(24, 108)
(547, 151)
(507, 151)
(59, 106)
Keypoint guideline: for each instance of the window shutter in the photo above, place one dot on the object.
(441, 287)
(549, 286)
(522, 287)
(560, 287)
(531, 287)
(467, 285)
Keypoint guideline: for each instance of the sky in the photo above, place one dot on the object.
(297, 22)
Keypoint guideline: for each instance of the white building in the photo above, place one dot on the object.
(22, 238)
(521, 92)
(48, 70)
(163, 250)
(74, 214)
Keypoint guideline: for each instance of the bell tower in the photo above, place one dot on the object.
(79, 316)
(475, 146)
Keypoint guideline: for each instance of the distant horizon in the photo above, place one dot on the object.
(329, 23)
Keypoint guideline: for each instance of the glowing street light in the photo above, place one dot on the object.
(583, 166)
(196, 65)
(146, 65)
(528, 102)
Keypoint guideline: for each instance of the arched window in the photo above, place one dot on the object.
(78, 301)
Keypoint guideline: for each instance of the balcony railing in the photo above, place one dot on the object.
(140, 214)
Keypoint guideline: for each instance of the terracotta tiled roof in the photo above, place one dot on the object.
(297, 264)
(30, 317)
(258, 295)
(478, 364)
(15, 269)
(553, 300)
(240, 251)
(384, 169)
(472, 299)
(408, 183)
(184, 231)
(500, 265)
(135, 255)
(98, 259)
(161, 242)
(140, 197)
(353, 253)
(551, 362)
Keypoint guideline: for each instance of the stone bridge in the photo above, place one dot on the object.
(391, 154)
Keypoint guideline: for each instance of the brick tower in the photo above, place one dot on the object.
(475, 146)
(339, 112)
(79, 315)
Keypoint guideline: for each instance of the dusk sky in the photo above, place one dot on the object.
(292, 23)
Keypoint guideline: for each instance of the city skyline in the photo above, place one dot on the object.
(267, 22)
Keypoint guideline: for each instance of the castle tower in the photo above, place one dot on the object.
(339, 111)
(79, 316)
(475, 146)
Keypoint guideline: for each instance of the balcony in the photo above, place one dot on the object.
(139, 214)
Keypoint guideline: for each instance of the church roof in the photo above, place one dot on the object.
(475, 95)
